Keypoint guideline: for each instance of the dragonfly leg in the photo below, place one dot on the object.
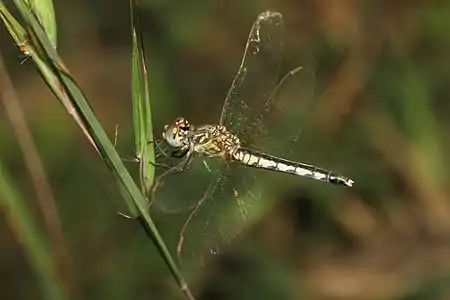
(184, 164)
(161, 152)
(138, 160)
(180, 167)
(158, 142)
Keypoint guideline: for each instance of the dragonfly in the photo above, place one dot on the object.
(224, 193)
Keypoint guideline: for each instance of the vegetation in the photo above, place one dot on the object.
(379, 115)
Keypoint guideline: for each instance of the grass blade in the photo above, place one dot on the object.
(71, 92)
(142, 121)
(45, 13)
(23, 40)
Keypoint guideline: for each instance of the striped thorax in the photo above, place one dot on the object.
(208, 140)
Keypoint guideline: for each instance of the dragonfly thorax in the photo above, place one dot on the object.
(208, 140)
(214, 141)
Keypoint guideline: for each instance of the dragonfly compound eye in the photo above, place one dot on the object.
(172, 137)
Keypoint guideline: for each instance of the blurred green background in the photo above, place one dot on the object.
(381, 71)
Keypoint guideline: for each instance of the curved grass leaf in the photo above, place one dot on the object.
(56, 75)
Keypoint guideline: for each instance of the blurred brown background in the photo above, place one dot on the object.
(381, 70)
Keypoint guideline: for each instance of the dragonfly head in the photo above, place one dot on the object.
(175, 134)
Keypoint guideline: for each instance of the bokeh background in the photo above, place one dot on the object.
(381, 80)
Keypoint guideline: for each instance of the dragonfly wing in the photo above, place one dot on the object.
(258, 73)
(237, 198)
(286, 114)
(232, 199)
(179, 185)
(251, 87)
(226, 208)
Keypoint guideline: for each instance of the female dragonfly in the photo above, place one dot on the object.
(256, 105)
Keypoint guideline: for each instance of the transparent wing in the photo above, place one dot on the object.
(227, 207)
(252, 86)
(219, 213)
(280, 124)
(264, 113)
(237, 198)
(258, 73)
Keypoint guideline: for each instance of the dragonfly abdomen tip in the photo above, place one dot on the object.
(349, 182)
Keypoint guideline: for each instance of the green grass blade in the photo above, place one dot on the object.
(16, 30)
(104, 146)
(142, 120)
(45, 13)
(22, 39)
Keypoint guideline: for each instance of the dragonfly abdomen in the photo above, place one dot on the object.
(257, 159)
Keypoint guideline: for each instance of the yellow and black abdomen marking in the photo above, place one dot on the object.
(256, 159)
